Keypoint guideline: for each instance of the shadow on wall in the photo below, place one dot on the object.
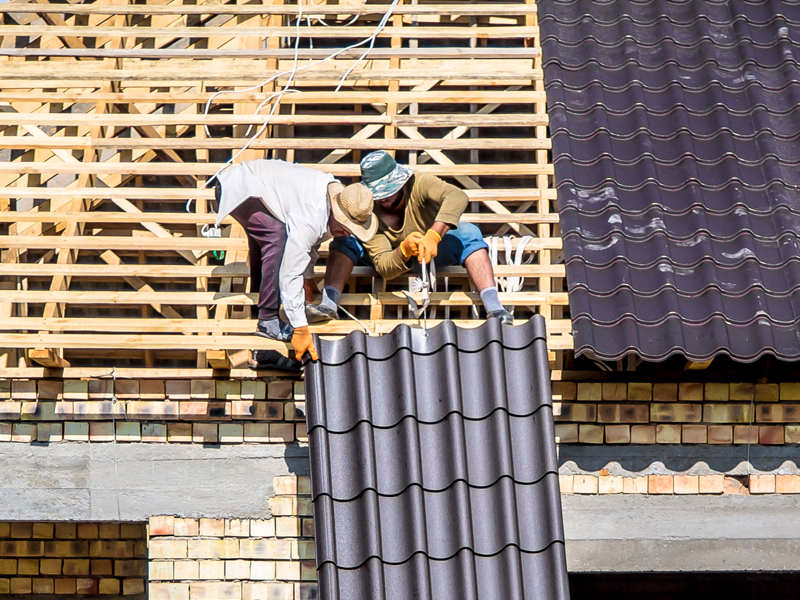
(684, 586)
(656, 458)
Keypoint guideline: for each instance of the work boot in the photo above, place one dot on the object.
(272, 360)
(319, 313)
(275, 329)
(502, 315)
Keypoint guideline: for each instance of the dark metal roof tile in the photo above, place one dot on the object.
(676, 141)
(434, 471)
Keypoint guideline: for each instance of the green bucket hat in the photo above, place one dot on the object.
(382, 175)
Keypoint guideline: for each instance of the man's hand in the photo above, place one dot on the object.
(302, 342)
(428, 246)
(410, 246)
(310, 286)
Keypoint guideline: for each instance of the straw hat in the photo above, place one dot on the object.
(352, 208)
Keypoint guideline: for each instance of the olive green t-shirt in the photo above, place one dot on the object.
(429, 200)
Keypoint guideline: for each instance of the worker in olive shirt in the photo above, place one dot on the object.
(418, 219)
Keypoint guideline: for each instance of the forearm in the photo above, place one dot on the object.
(441, 228)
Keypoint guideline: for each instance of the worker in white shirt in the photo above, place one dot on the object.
(287, 211)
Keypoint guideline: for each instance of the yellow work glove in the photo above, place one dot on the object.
(429, 246)
(302, 342)
(410, 246)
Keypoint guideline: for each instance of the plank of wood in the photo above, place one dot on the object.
(466, 9)
(275, 53)
(103, 271)
(136, 95)
(229, 326)
(195, 219)
(163, 244)
(336, 169)
(218, 359)
(47, 357)
(242, 299)
(332, 32)
(480, 143)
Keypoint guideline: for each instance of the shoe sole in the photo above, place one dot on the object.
(269, 337)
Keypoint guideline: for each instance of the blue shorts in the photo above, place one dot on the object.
(456, 245)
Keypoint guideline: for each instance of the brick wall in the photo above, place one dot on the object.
(241, 559)
(105, 559)
(158, 411)
(677, 413)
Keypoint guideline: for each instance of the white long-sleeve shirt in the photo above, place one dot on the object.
(298, 197)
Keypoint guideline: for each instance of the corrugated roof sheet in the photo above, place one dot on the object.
(433, 465)
(676, 135)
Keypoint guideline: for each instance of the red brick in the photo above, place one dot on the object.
(694, 434)
(787, 484)
(102, 566)
(280, 390)
(23, 389)
(212, 527)
(178, 390)
(281, 433)
(686, 484)
(720, 434)
(770, 435)
(50, 390)
(65, 586)
(564, 390)
(205, 411)
(741, 433)
(659, 484)
(668, 434)
(732, 485)
(762, 484)
(618, 434)
(127, 389)
(609, 484)
(151, 389)
(87, 586)
(163, 525)
(643, 434)
(100, 389)
(712, 484)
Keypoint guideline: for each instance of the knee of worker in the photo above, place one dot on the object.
(463, 241)
(349, 246)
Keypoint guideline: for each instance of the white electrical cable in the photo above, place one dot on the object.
(292, 72)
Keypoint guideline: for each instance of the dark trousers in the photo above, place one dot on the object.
(266, 238)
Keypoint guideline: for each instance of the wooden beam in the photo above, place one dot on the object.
(218, 359)
(47, 357)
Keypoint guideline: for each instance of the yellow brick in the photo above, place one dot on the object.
(76, 432)
(21, 585)
(237, 569)
(76, 567)
(28, 566)
(283, 506)
(615, 391)
(237, 527)
(304, 485)
(266, 549)
(591, 434)
(108, 586)
(226, 548)
(203, 389)
(665, 392)
(675, 412)
(285, 485)
(609, 484)
(305, 550)
(168, 591)
(167, 548)
(21, 548)
(161, 525)
(129, 568)
(287, 571)
(8, 566)
(564, 390)
(742, 391)
(23, 432)
(686, 484)
(201, 590)
(280, 390)
(212, 569)
(5, 584)
(231, 433)
(767, 392)
(66, 531)
(205, 433)
(711, 484)
(262, 528)
(88, 531)
(186, 527)
(187, 570)
(790, 391)
(50, 566)
(668, 434)
(253, 390)
(577, 412)
(76, 389)
(640, 391)
(565, 483)
(281, 433)
(618, 434)
(690, 391)
(43, 530)
(179, 432)
(229, 390)
(567, 433)
(5, 530)
(262, 570)
(762, 484)
(42, 586)
(132, 586)
(643, 434)
(716, 392)
(590, 391)
(212, 527)
(584, 484)
(21, 530)
(287, 527)
(727, 413)
(160, 571)
(634, 485)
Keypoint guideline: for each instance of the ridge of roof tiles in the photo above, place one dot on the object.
(676, 142)
(433, 465)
